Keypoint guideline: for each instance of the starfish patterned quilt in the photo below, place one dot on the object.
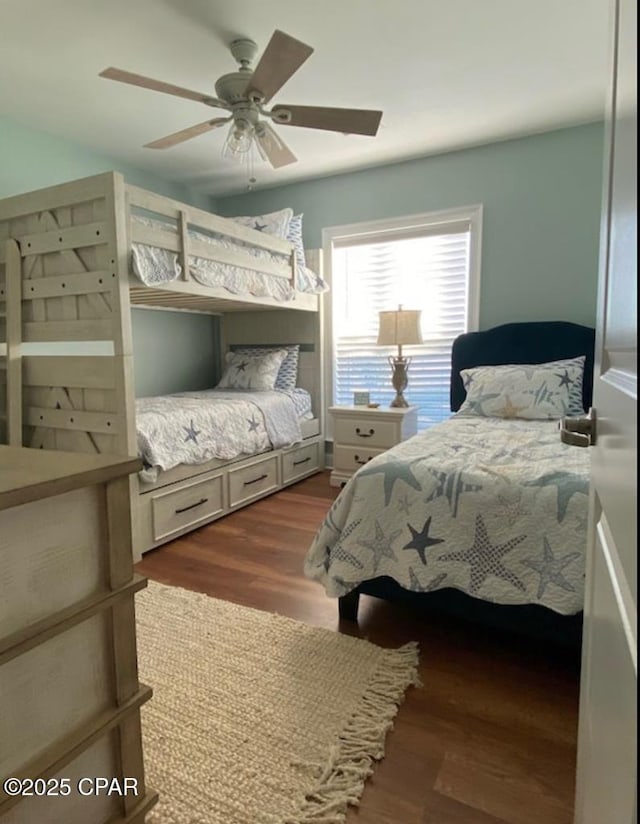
(495, 508)
(154, 265)
(194, 427)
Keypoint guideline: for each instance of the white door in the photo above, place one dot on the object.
(607, 742)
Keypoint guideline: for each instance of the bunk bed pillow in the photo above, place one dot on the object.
(309, 281)
(247, 372)
(287, 377)
(294, 235)
(538, 391)
(274, 223)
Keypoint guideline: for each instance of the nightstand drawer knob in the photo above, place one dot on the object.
(359, 460)
(365, 434)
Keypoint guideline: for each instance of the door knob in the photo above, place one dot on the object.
(579, 431)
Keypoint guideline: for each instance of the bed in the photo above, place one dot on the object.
(74, 259)
(209, 452)
(484, 514)
(271, 278)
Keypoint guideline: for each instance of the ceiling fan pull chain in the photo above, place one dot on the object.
(251, 181)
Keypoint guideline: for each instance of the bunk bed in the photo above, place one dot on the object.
(72, 264)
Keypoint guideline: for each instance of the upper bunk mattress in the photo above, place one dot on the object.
(155, 266)
(195, 427)
(495, 508)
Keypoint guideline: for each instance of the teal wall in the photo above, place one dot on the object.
(541, 198)
(176, 350)
(31, 159)
(173, 351)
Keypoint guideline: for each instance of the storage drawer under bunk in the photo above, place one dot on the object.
(252, 481)
(351, 458)
(187, 506)
(299, 461)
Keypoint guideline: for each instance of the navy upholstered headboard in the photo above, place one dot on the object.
(535, 342)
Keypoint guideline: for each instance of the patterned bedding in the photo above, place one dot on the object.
(495, 508)
(155, 266)
(194, 427)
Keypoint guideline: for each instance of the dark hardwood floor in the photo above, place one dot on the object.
(490, 737)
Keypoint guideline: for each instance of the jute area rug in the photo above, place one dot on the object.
(256, 718)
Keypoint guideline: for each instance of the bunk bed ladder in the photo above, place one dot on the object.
(68, 359)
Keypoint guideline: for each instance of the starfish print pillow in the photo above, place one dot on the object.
(246, 372)
(287, 377)
(537, 391)
(274, 223)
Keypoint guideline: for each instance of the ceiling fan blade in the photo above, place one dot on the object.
(348, 121)
(187, 134)
(273, 147)
(281, 59)
(159, 86)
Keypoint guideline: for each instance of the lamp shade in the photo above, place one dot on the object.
(399, 327)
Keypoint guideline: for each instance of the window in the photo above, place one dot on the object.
(428, 262)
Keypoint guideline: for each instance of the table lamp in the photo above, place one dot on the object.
(399, 328)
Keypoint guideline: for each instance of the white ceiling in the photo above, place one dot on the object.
(446, 75)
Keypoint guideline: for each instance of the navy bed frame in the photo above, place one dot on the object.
(535, 342)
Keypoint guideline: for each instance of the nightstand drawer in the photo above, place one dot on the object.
(351, 458)
(360, 434)
(370, 433)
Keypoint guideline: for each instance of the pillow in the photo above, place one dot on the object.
(245, 372)
(542, 391)
(309, 281)
(275, 223)
(294, 235)
(287, 377)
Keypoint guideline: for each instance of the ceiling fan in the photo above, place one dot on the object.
(245, 94)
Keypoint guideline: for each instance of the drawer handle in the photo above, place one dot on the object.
(192, 506)
(364, 434)
(255, 480)
(304, 460)
(359, 460)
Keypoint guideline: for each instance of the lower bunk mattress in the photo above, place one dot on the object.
(494, 508)
(196, 427)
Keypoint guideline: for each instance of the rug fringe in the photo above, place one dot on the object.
(340, 780)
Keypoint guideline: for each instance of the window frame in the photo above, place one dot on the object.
(434, 222)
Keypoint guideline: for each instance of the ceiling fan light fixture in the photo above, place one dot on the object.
(259, 145)
(238, 141)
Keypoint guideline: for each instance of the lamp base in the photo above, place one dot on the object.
(399, 380)
(398, 402)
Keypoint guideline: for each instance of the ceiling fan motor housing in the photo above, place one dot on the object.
(233, 87)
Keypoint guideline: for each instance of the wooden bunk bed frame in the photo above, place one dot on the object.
(67, 375)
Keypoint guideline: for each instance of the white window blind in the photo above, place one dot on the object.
(427, 268)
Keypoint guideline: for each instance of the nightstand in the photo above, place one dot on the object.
(360, 433)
